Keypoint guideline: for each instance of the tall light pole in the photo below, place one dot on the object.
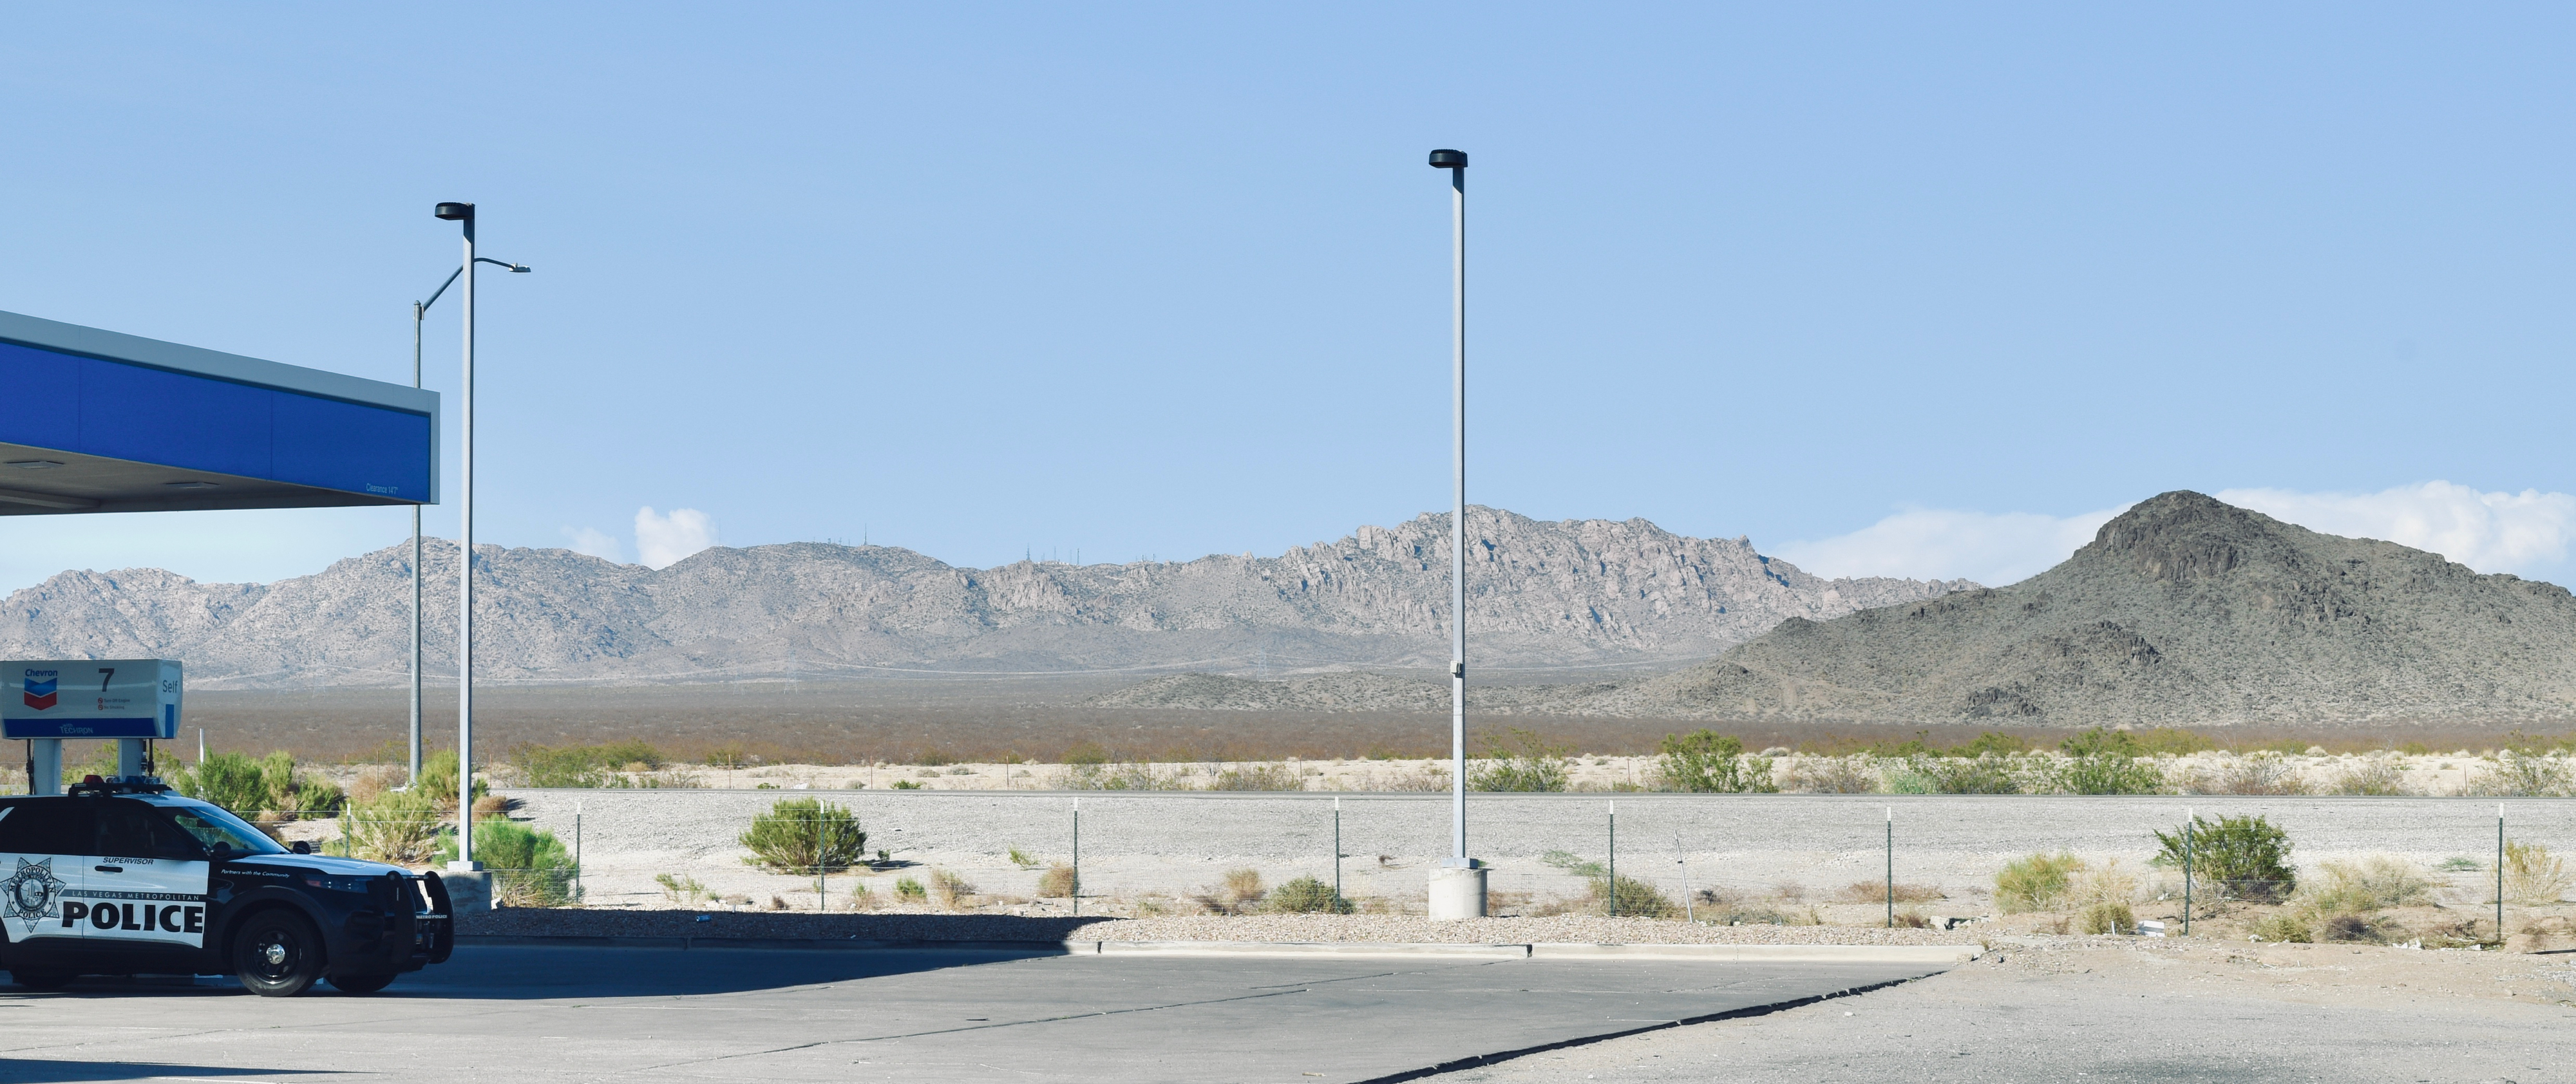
(1458, 887)
(419, 311)
(464, 213)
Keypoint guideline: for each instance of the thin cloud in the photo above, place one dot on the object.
(2525, 533)
(662, 541)
(1949, 544)
(596, 543)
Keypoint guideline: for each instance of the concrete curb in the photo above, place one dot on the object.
(1931, 955)
(1845, 954)
(1333, 949)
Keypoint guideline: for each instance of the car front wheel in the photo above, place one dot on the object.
(277, 954)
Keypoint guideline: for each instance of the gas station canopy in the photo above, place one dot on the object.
(97, 421)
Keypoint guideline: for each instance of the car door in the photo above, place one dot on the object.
(44, 845)
(146, 886)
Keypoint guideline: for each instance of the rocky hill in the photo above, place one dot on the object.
(2183, 610)
(1574, 592)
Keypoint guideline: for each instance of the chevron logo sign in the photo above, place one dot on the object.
(40, 693)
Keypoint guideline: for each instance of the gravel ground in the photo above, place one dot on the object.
(1180, 845)
(1580, 929)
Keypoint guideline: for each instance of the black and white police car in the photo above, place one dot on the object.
(120, 878)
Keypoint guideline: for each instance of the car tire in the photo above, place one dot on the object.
(360, 984)
(41, 980)
(276, 953)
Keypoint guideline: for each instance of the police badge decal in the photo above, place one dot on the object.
(33, 892)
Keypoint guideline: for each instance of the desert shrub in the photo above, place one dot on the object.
(2247, 857)
(238, 783)
(2107, 918)
(2521, 775)
(1707, 762)
(861, 899)
(681, 889)
(2036, 882)
(1242, 889)
(2100, 773)
(909, 890)
(2379, 775)
(1021, 859)
(1520, 761)
(804, 835)
(373, 781)
(1120, 775)
(1632, 897)
(2284, 925)
(397, 826)
(2370, 884)
(438, 780)
(557, 766)
(2457, 864)
(1306, 895)
(2350, 926)
(949, 890)
(731, 755)
(1058, 880)
(1984, 774)
(2106, 883)
(1833, 775)
(2532, 874)
(1427, 779)
(2261, 773)
(530, 867)
(1259, 777)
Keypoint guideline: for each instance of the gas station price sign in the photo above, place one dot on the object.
(90, 698)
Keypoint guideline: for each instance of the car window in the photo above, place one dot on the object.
(211, 825)
(134, 830)
(48, 827)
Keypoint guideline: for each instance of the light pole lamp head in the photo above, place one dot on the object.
(455, 212)
(1445, 159)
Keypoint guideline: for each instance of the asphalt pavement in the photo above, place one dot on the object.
(564, 1014)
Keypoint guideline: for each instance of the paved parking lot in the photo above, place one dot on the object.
(550, 1014)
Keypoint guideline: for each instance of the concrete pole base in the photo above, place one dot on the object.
(1457, 892)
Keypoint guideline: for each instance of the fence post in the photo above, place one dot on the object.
(1612, 901)
(576, 851)
(1891, 867)
(2499, 874)
(1688, 913)
(1337, 850)
(1076, 890)
(2188, 827)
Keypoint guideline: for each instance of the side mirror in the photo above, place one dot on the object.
(220, 852)
(301, 846)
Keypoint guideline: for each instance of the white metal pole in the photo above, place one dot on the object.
(1458, 516)
(418, 312)
(465, 587)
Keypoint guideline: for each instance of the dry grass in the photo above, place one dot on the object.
(1879, 892)
(1058, 882)
(2532, 875)
(951, 891)
(1831, 775)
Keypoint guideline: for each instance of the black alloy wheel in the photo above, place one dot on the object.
(360, 984)
(277, 954)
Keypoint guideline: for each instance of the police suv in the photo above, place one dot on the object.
(120, 878)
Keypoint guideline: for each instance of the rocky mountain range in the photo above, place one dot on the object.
(1564, 593)
(2182, 611)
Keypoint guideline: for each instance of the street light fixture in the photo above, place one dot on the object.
(420, 311)
(1458, 886)
(464, 213)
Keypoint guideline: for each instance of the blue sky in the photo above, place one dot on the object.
(1921, 291)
